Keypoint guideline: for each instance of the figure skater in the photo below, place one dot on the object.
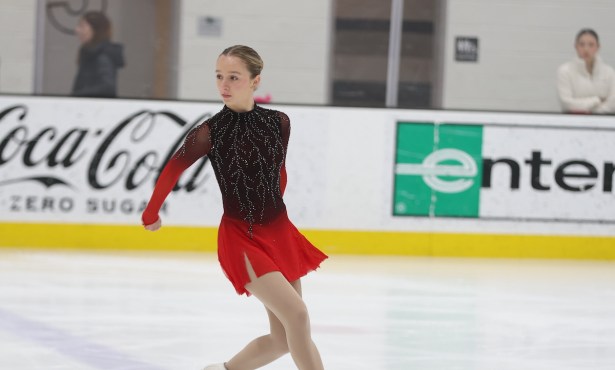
(260, 250)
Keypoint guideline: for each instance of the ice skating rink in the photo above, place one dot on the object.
(75, 310)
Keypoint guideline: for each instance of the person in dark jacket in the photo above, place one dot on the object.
(98, 59)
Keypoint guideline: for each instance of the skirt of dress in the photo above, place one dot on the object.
(277, 246)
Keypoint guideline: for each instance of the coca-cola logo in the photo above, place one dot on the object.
(112, 156)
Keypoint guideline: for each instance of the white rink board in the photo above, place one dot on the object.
(340, 166)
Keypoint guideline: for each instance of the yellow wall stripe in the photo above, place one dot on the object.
(174, 238)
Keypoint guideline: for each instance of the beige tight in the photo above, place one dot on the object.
(289, 325)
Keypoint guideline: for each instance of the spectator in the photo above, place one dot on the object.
(586, 84)
(98, 59)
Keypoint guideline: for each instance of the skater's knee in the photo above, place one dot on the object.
(279, 344)
(299, 317)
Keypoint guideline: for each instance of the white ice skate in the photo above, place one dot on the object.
(215, 367)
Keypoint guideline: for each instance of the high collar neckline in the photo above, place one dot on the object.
(226, 108)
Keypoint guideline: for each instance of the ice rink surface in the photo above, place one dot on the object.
(76, 310)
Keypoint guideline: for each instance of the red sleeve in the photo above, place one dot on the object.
(196, 145)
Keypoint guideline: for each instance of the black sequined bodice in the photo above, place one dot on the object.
(247, 154)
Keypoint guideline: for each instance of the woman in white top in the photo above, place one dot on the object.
(586, 84)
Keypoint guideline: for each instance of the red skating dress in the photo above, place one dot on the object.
(248, 153)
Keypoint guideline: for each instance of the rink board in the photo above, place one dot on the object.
(76, 173)
(203, 239)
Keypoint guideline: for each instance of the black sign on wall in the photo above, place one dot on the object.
(466, 49)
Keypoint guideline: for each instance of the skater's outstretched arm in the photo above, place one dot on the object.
(196, 145)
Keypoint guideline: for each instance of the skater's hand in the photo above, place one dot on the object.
(155, 226)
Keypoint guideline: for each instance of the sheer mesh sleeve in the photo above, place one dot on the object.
(196, 145)
(285, 130)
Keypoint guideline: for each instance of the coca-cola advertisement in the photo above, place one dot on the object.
(96, 161)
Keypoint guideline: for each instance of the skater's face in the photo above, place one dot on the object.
(235, 83)
(587, 47)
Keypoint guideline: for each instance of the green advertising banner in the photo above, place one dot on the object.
(438, 170)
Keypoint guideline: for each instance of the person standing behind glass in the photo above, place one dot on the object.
(98, 58)
(586, 84)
